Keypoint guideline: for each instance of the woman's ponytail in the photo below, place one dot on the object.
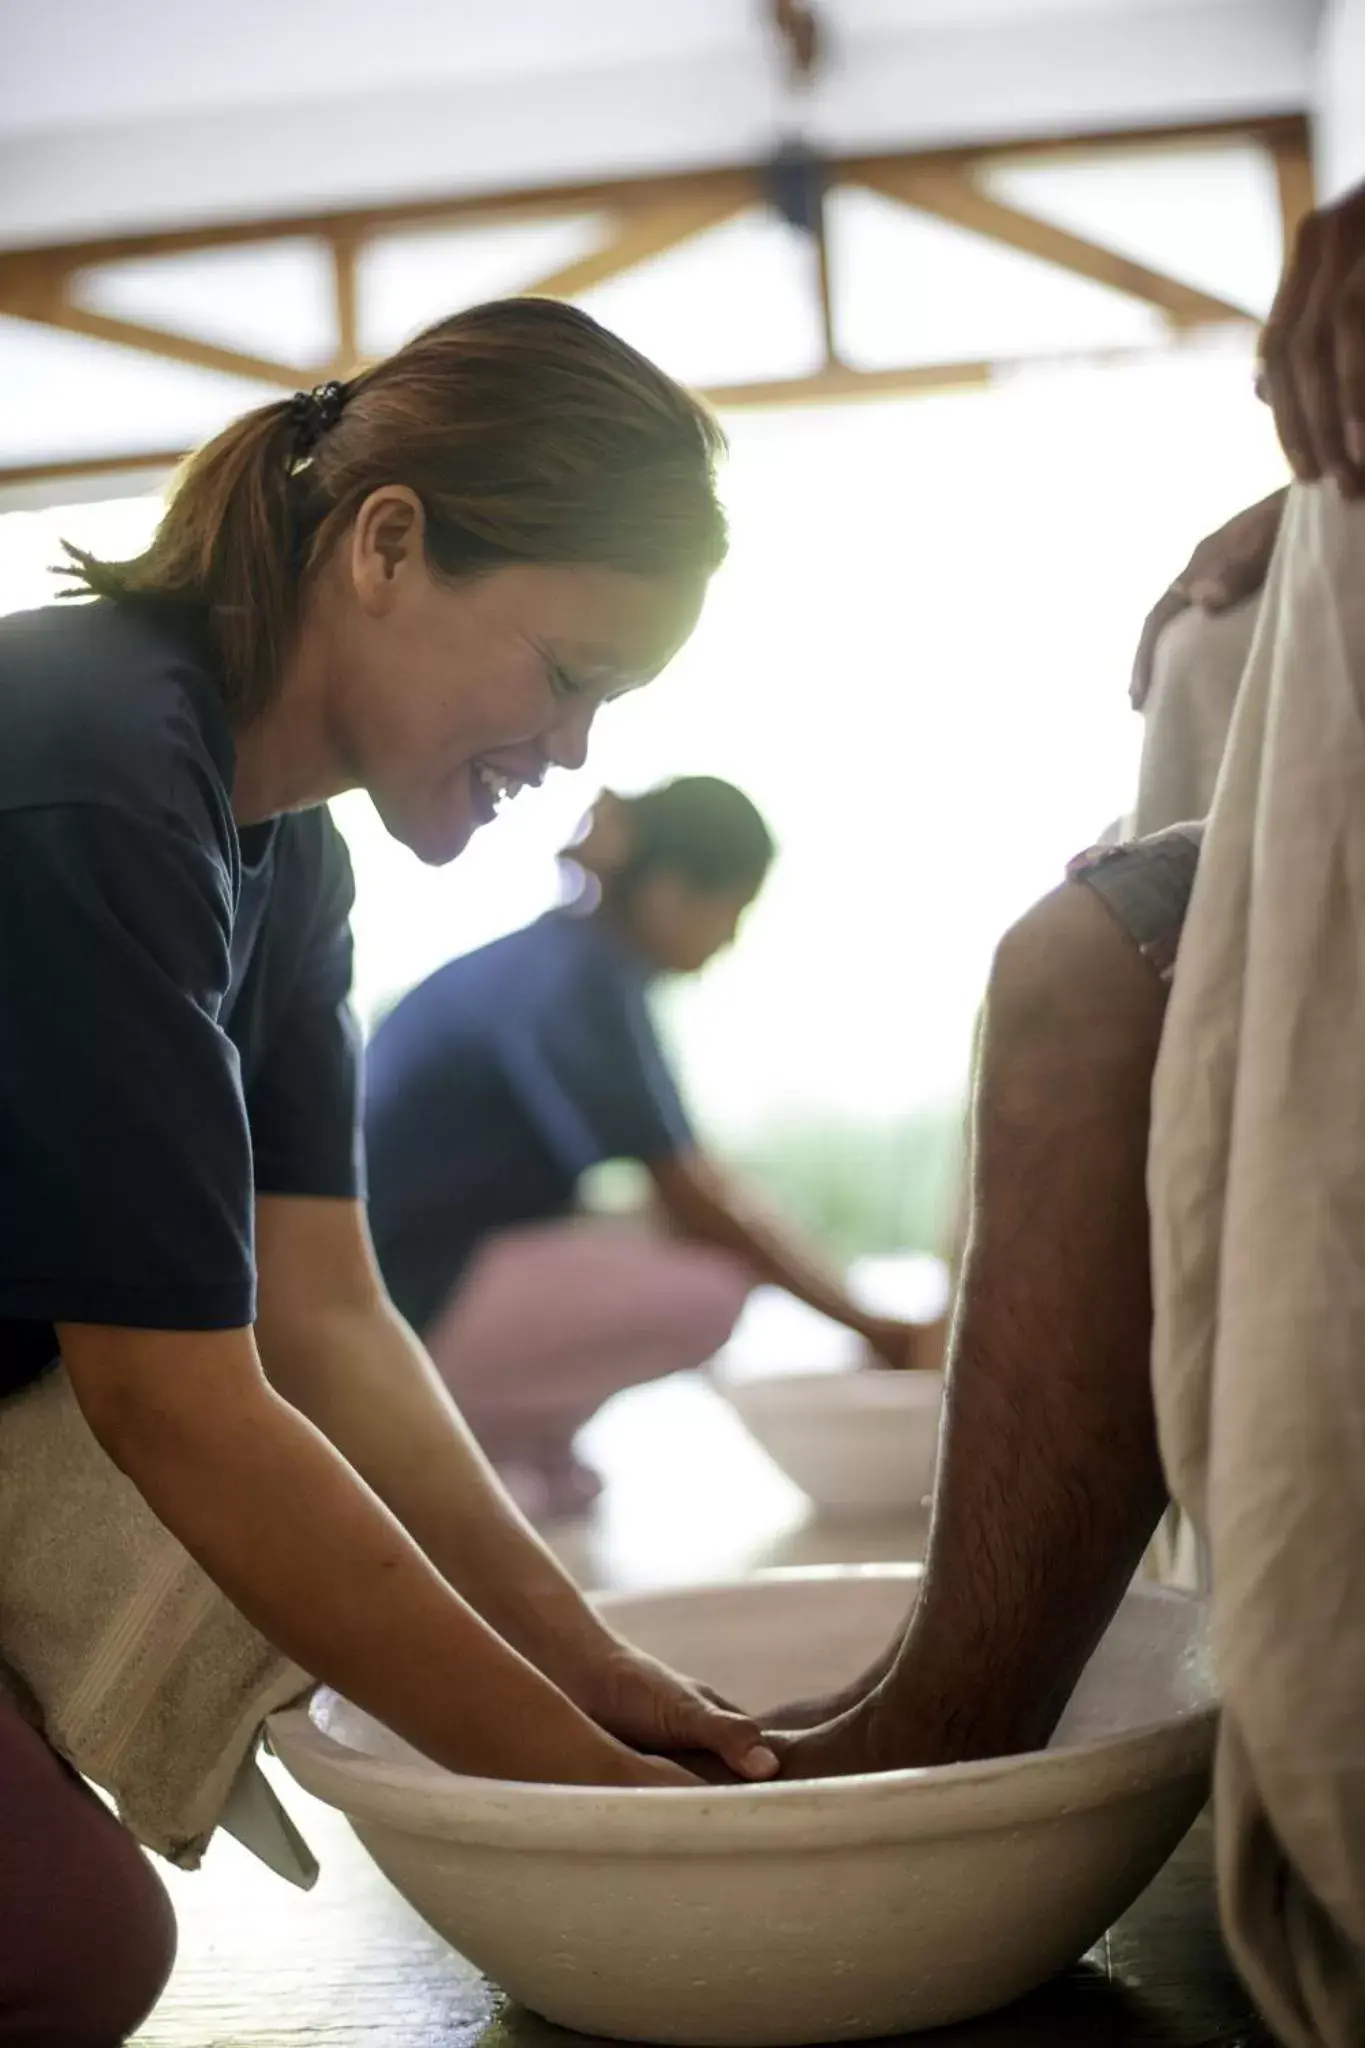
(226, 546)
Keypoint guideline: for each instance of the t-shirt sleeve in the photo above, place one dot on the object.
(303, 1098)
(589, 1072)
(125, 1173)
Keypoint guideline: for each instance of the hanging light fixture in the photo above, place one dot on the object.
(795, 175)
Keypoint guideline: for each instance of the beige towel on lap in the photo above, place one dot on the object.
(1258, 1233)
(115, 1644)
(1197, 672)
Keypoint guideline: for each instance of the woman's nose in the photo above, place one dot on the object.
(567, 742)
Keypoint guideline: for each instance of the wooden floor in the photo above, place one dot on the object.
(265, 1966)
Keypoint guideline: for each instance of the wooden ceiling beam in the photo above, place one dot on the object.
(43, 286)
(366, 223)
(40, 286)
(824, 286)
(73, 469)
(834, 382)
(72, 318)
(838, 381)
(346, 297)
(953, 196)
(650, 215)
(741, 184)
(639, 234)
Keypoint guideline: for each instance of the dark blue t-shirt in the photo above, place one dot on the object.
(495, 1084)
(174, 1025)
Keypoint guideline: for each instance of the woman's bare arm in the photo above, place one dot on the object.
(305, 1550)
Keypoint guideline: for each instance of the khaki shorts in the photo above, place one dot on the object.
(1146, 884)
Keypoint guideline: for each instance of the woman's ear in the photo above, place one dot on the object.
(387, 535)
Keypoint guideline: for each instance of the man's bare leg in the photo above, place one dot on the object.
(1049, 1483)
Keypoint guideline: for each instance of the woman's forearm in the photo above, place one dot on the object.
(702, 1201)
(281, 1523)
(364, 1379)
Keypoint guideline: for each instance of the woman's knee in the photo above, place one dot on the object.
(87, 1934)
(99, 1944)
(711, 1290)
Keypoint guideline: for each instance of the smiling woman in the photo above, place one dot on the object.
(422, 584)
(338, 546)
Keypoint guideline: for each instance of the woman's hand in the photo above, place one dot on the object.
(641, 1702)
(659, 1774)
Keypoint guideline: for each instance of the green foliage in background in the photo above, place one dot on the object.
(860, 1188)
(852, 1188)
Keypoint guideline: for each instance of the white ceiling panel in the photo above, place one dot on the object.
(151, 58)
(183, 112)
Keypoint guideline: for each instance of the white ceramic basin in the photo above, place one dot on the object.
(792, 1913)
(858, 1443)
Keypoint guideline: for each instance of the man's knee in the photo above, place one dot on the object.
(1071, 992)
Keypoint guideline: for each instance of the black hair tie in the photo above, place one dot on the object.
(311, 413)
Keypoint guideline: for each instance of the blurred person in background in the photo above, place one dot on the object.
(495, 1085)
(423, 583)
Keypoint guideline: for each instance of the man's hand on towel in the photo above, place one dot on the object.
(1226, 567)
(1313, 348)
(642, 1702)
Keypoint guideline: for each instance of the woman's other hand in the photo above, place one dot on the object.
(1313, 348)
